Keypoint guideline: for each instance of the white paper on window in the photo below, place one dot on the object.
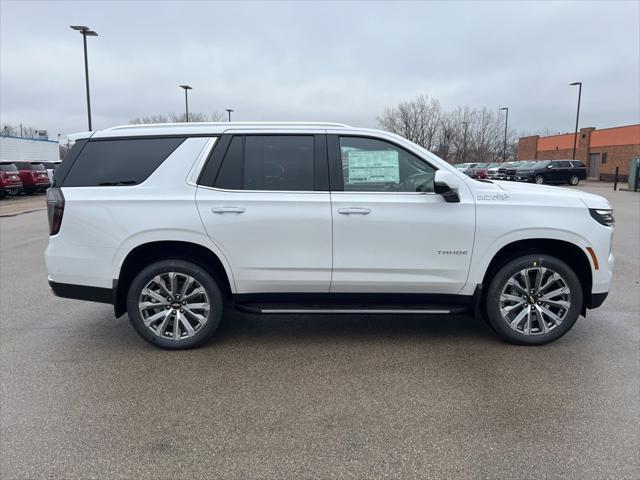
(373, 166)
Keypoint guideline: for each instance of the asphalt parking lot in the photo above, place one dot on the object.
(82, 396)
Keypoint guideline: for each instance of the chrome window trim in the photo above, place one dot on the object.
(312, 191)
(194, 173)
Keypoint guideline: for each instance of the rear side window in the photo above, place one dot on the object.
(268, 162)
(119, 162)
(578, 164)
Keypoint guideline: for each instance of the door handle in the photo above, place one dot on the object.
(227, 210)
(354, 211)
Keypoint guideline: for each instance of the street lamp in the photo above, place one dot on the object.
(464, 142)
(186, 101)
(86, 32)
(506, 125)
(575, 133)
(228, 110)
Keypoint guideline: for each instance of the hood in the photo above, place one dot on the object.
(569, 193)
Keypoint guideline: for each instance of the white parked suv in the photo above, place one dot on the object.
(173, 224)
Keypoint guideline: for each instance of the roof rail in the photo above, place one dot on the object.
(227, 124)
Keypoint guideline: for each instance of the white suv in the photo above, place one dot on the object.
(175, 223)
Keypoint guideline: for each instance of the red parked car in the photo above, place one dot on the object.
(10, 182)
(479, 171)
(34, 177)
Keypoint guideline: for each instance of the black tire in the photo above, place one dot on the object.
(574, 180)
(183, 267)
(539, 179)
(506, 272)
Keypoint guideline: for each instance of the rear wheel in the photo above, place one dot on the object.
(175, 304)
(539, 179)
(574, 180)
(534, 300)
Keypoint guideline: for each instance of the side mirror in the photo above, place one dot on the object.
(444, 184)
(549, 166)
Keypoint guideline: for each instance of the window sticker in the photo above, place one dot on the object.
(373, 166)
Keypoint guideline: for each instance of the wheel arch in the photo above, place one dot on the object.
(568, 252)
(150, 252)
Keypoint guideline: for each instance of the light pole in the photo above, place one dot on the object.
(86, 32)
(228, 110)
(186, 101)
(575, 133)
(464, 142)
(506, 125)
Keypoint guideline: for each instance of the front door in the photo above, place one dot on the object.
(561, 171)
(594, 160)
(268, 213)
(391, 232)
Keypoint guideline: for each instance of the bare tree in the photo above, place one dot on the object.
(416, 120)
(179, 117)
(9, 130)
(459, 135)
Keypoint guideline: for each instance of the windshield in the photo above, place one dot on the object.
(8, 167)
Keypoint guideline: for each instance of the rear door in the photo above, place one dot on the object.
(263, 198)
(391, 232)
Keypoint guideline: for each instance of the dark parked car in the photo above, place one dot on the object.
(10, 183)
(34, 176)
(553, 171)
(502, 170)
(510, 172)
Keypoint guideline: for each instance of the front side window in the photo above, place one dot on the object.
(541, 164)
(268, 162)
(371, 165)
(563, 164)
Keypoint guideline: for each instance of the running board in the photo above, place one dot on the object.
(415, 310)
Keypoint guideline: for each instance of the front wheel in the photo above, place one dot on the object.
(534, 300)
(539, 179)
(175, 304)
(574, 180)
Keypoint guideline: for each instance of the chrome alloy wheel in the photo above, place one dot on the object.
(535, 301)
(174, 306)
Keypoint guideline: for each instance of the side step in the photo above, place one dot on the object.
(347, 309)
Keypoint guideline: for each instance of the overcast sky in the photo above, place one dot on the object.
(332, 61)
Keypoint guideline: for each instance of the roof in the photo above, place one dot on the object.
(198, 128)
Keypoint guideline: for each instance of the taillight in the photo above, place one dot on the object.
(55, 209)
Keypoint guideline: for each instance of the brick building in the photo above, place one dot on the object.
(601, 150)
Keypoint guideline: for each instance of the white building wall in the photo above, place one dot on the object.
(15, 149)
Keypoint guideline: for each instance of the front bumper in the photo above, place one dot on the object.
(12, 189)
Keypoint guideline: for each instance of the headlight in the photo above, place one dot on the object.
(602, 216)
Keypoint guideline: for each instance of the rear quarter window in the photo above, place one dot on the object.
(118, 162)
